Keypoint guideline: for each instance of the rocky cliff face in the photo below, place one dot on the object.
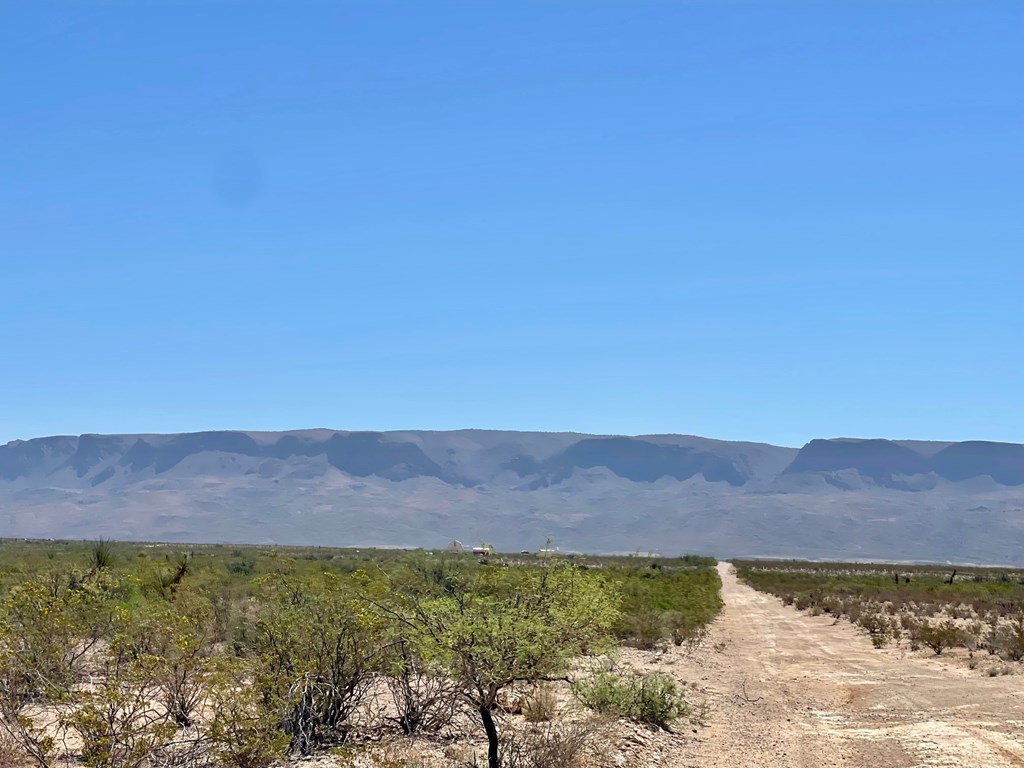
(669, 493)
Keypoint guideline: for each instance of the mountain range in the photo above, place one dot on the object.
(836, 498)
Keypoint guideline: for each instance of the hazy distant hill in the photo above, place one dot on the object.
(666, 493)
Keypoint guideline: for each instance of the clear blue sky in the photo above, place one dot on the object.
(761, 220)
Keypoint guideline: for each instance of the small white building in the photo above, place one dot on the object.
(483, 550)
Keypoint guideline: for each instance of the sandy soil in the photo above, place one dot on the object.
(791, 690)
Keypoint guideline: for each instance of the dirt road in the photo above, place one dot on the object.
(787, 689)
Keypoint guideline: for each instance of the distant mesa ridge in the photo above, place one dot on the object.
(838, 498)
(535, 460)
(631, 458)
(883, 460)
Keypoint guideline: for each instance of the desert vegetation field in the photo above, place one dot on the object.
(119, 655)
(974, 614)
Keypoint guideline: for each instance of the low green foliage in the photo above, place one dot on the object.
(942, 636)
(243, 731)
(665, 602)
(157, 654)
(652, 699)
(492, 627)
(985, 590)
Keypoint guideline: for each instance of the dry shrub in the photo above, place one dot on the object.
(1009, 640)
(874, 623)
(540, 706)
(425, 702)
(11, 754)
(914, 628)
(398, 753)
(830, 604)
(190, 750)
(243, 731)
(1002, 669)
(645, 630)
(701, 713)
(973, 636)
(687, 634)
(551, 746)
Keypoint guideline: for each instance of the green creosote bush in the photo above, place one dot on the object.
(179, 636)
(664, 602)
(49, 627)
(241, 565)
(496, 627)
(651, 699)
(939, 637)
(316, 650)
(244, 732)
(879, 628)
(645, 629)
(119, 724)
(147, 683)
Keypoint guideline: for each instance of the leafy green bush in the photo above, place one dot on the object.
(244, 732)
(939, 637)
(316, 651)
(241, 565)
(652, 699)
(501, 626)
(922, 590)
(663, 602)
(192, 659)
(119, 724)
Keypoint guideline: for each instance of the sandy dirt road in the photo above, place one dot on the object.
(791, 690)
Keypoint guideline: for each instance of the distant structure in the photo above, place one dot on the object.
(549, 549)
(456, 547)
(482, 550)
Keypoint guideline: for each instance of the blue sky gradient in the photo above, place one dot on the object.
(748, 220)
